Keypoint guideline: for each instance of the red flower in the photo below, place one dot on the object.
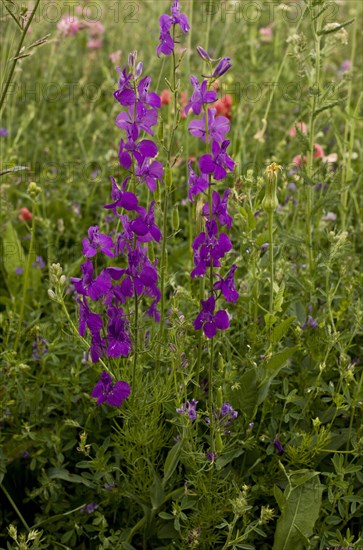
(24, 215)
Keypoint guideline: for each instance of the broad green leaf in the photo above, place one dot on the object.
(227, 457)
(171, 462)
(244, 397)
(299, 514)
(272, 368)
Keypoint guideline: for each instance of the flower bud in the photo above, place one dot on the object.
(138, 70)
(132, 59)
(52, 295)
(223, 66)
(219, 443)
(203, 54)
(33, 190)
(270, 202)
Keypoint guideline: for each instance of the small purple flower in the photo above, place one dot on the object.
(279, 448)
(189, 408)
(97, 241)
(218, 127)
(40, 348)
(89, 508)
(19, 270)
(203, 54)
(211, 457)
(219, 208)
(226, 285)
(152, 99)
(166, 45)
(125, 93)
(208, 248)
(112, 394)
(200, 96)
(39, 262)
(210, 321)
(118, 337)
(4, 132)
(310, 322)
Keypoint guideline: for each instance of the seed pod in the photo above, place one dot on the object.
(175, 219)
(168, 177)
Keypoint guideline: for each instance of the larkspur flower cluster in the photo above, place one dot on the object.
(212, 244)
(167, 41)
(137, 277)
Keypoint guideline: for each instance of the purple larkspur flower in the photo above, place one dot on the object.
(179, 18)
(107, 392)
(203, 54)
(144, 226)
(148, 98)
(123, 199)
(224, 416)
(210, 321)
(88, 286)
(226, 285)
(125, 93)
(150, 172)
(140, 151)
(189, 408)
(218, 127)
(88, 319)
(97, 241)
(219, 208)
(118, 336)
(223, 66)
(208, 248)
(132, 122)
(200, 96)
(218, 162)
(197, 184)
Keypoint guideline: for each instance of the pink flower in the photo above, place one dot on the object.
(298, 160)
(25, 215)
(346, 66)
(165, 97)
(68, 26)
(266, 34)
(302, 127)
(115, 56)
(94, 43)
(318, 151)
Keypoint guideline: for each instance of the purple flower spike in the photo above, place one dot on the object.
(107, 392)
(97, 241)
(227, 286)
(210, 321)
(200, 96)
(167, 45)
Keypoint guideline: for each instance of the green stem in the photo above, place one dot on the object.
(136, 329)
(15, 507)
(26, 278)
(271, 257)
(15, 58)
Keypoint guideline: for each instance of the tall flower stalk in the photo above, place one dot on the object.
(168, 40)
(211, 245)
(117, 291)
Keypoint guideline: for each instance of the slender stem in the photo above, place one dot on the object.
(271, 257)
(15, 58)
(136, 330)
(26, 278)
(15, 507)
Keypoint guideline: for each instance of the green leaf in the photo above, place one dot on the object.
(171, 462)
(281, 329)
(299, 514)
(279, 496)
(244, 398)
(60, 473)
(227, 457)
(156, 493)
(272, 368)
